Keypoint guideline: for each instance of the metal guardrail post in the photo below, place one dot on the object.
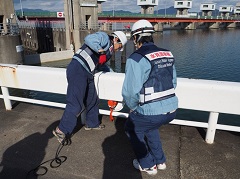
(212, 126)
(7, 101)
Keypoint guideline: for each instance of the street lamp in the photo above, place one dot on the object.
(21, 7)
(113, 7)
(165, 7)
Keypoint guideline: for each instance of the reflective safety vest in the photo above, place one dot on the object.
(89, 58)
(159, 85)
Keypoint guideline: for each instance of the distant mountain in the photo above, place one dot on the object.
(40, 10)
(31, 10)
(168, 11)
(171, 10)
(118, 12)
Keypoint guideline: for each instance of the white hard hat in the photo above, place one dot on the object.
(122, 37)
(143, 27)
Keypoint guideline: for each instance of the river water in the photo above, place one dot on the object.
(212, 54)
(205, 54)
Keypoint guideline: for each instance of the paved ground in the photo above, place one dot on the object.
(26, 141)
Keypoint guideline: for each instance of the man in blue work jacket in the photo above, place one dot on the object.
(81, 92)
(148, 90)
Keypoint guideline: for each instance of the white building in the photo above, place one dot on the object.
(237, 10)
(183, 7)
(225, 10)
(184, 4)
(147, 6)
(207, 8)
(99, 3)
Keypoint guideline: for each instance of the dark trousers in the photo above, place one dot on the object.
(81, 92)
(143, 133)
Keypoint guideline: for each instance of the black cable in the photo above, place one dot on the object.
(54, 163)
(58, 160)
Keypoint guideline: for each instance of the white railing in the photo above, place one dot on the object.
(42, 24)
(203, 95)
(9, 29)
(82, 26)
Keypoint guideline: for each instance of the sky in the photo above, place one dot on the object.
(127, 5)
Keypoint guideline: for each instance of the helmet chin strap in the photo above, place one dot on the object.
(135, 43)
(143, 34)
(114, 39)
(139, 38)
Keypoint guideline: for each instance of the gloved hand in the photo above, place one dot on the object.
(102, 59)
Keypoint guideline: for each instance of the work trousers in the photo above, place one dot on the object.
(143, 133)
(81, 92)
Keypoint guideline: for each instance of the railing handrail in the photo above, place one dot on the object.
(195, 94)
(41, 24)
(9, 29)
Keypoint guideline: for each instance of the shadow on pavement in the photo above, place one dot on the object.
(119, 155)
(25, 155)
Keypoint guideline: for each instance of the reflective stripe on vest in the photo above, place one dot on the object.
(82, 63)
(87, 58)
(90, 59)
(152, 96)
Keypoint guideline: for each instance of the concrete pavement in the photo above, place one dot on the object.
(27, 141)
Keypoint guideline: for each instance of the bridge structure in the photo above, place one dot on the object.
(85, 16)
(80, 17)
(131, 17)
(165, 19)
(191, 22)
(47, 32)
(106, 21)
(158, 21)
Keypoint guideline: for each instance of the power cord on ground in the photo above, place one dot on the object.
(56, 162)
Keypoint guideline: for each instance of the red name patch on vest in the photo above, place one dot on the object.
(159, 54)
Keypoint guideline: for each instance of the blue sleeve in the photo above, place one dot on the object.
(97, 41)
(136, 73)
